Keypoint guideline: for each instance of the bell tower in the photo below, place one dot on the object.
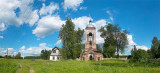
(90, 52)
(90, 38)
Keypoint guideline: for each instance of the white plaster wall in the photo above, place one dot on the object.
(51, 57)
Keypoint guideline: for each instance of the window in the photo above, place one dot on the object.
(90, 36)
(54, 51)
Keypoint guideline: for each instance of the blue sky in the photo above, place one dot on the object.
(29, 26)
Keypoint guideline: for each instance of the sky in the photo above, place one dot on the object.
(29, 26)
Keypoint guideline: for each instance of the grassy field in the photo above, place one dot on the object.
(73, 66)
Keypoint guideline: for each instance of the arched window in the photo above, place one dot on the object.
(90, 36)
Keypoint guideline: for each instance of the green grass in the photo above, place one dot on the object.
(73, 66)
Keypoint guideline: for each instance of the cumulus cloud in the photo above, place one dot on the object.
(81, 22)
(58, 42)
(72, 4)
(2, 27)
(83, 8)
(1, 37)
(4, 51)
(110, 15)
(34, 50)
(47, 25)
(131, 43)
(48, 9)
(142, 47)
(27, 14)
(130, 40)
(9, 16)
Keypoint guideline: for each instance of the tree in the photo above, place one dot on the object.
(133, 49)
(18, 56)
(114, 39)
(140, 56)
(159, 50)
(120, 39)
(99, 49)
(71, 40)
(45, 54)
(154, 47)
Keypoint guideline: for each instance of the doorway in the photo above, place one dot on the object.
(90, 58)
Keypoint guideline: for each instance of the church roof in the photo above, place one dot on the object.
(90, 25)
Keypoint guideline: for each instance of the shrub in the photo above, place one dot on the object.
(140, 56)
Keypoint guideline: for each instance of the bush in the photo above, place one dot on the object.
(1, 57)
(140, 56)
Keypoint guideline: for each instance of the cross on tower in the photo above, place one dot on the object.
(90, 21)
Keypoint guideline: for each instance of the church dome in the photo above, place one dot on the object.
(90, 25)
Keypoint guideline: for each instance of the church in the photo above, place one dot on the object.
(90, 52)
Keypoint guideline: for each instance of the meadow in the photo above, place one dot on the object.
(74, 66)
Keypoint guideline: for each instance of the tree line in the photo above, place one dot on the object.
(143, 56)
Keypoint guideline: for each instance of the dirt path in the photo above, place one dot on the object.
(19, 70)
(31, 70)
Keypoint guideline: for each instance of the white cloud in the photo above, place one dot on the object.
(38, 38)
(1, 37)
(27, 14)
(34, 50)
(34, 18)
(42, 0)
(81, 22)
(47, 25)
(48, 9)
(142, 47)
(98, 25)
(2, 27)
(72, 4)
(22, 48)
(4, 51)
(83, 8)
(58, 42)
(131, 43)
(130, 40)
(110, 15)
(8, 15)
(108, 12)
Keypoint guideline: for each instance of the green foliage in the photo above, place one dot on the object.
(140, 56)
(71, 40)
(45, 54)
(154, 48)
(109, 51)
(113, 38)
(133, 49)
(1, 56)
(99, 49)
(32, 57)
(18, 56)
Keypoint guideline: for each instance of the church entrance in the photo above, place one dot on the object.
(90, 58)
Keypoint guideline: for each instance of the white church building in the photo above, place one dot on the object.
(55, 54)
